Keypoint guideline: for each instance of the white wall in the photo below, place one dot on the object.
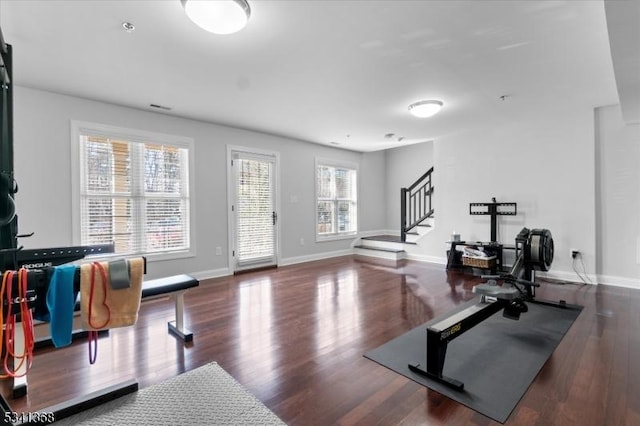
(42, 169)
(545, 164)
(618, 198)
(404, 166)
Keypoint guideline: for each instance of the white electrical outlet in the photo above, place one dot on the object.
(218, 251)
(301, 241)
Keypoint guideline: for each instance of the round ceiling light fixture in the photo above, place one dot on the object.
(218, 16)
(424, 109)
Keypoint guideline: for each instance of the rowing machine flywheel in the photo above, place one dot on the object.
(538, 252)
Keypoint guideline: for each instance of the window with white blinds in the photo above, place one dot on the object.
(337, 200)
(133, 193)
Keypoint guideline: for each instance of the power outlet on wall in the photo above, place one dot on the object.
(574, 253)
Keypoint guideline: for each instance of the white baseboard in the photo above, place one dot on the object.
(594, 279)
(212, 273)
(619, 281)
(569, 276)
(223, 272)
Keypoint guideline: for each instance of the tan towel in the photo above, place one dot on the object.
(123, 304)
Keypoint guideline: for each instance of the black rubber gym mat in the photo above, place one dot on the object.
(496, 360)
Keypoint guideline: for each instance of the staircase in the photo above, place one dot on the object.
(417, 220)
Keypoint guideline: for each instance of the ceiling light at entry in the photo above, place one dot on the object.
(424, 109)
(218, 16)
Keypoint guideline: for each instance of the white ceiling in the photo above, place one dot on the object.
(323, 71)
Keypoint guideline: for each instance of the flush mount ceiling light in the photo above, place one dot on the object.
(424, 109)
(218, 16)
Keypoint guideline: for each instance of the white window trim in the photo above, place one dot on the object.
(133, 135)
(334, 163)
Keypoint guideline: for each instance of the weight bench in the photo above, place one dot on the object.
(177, 285)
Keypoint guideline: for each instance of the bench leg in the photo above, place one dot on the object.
(177, 327)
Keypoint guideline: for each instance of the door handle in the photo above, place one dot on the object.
(274, 216)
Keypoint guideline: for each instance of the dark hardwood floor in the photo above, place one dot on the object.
(295, 337)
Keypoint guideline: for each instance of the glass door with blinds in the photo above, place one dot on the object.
(254, 210)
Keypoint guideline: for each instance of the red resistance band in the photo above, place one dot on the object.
(26, 319)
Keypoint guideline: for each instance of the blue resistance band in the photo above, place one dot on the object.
(61, 301)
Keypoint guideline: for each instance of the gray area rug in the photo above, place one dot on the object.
(207, 395)
(496, 360)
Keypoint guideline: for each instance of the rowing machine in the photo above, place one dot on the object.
(534, 251)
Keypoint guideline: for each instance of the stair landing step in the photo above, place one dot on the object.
(387, 238)
(389, 250)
